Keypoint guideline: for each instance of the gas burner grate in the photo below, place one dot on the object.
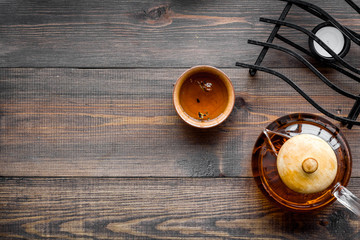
(330, 58)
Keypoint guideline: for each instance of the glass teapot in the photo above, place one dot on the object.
(308, 172)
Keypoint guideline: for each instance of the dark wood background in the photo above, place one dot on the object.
(91, 146)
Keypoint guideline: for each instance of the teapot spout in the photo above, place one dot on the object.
(347, 198)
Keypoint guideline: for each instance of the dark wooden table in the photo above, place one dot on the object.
(92, 148)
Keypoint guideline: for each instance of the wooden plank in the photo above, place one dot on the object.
(191, 208)
(121, 122)
(147, 33)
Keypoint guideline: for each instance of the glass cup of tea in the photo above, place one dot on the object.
(203, 96)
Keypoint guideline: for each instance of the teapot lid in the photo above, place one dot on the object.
(306, 164)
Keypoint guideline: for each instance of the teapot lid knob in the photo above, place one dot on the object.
(310, 165)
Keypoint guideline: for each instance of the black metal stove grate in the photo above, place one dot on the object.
(336, 61)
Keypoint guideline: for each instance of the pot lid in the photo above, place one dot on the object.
(307, 164)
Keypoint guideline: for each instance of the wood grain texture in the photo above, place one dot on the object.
(162, 33)
(121, 122)
(91, 146)
(185, 208)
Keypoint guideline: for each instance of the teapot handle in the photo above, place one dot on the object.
(346, 198)
(266, 133)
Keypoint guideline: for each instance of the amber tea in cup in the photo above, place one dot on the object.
(203, 96)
